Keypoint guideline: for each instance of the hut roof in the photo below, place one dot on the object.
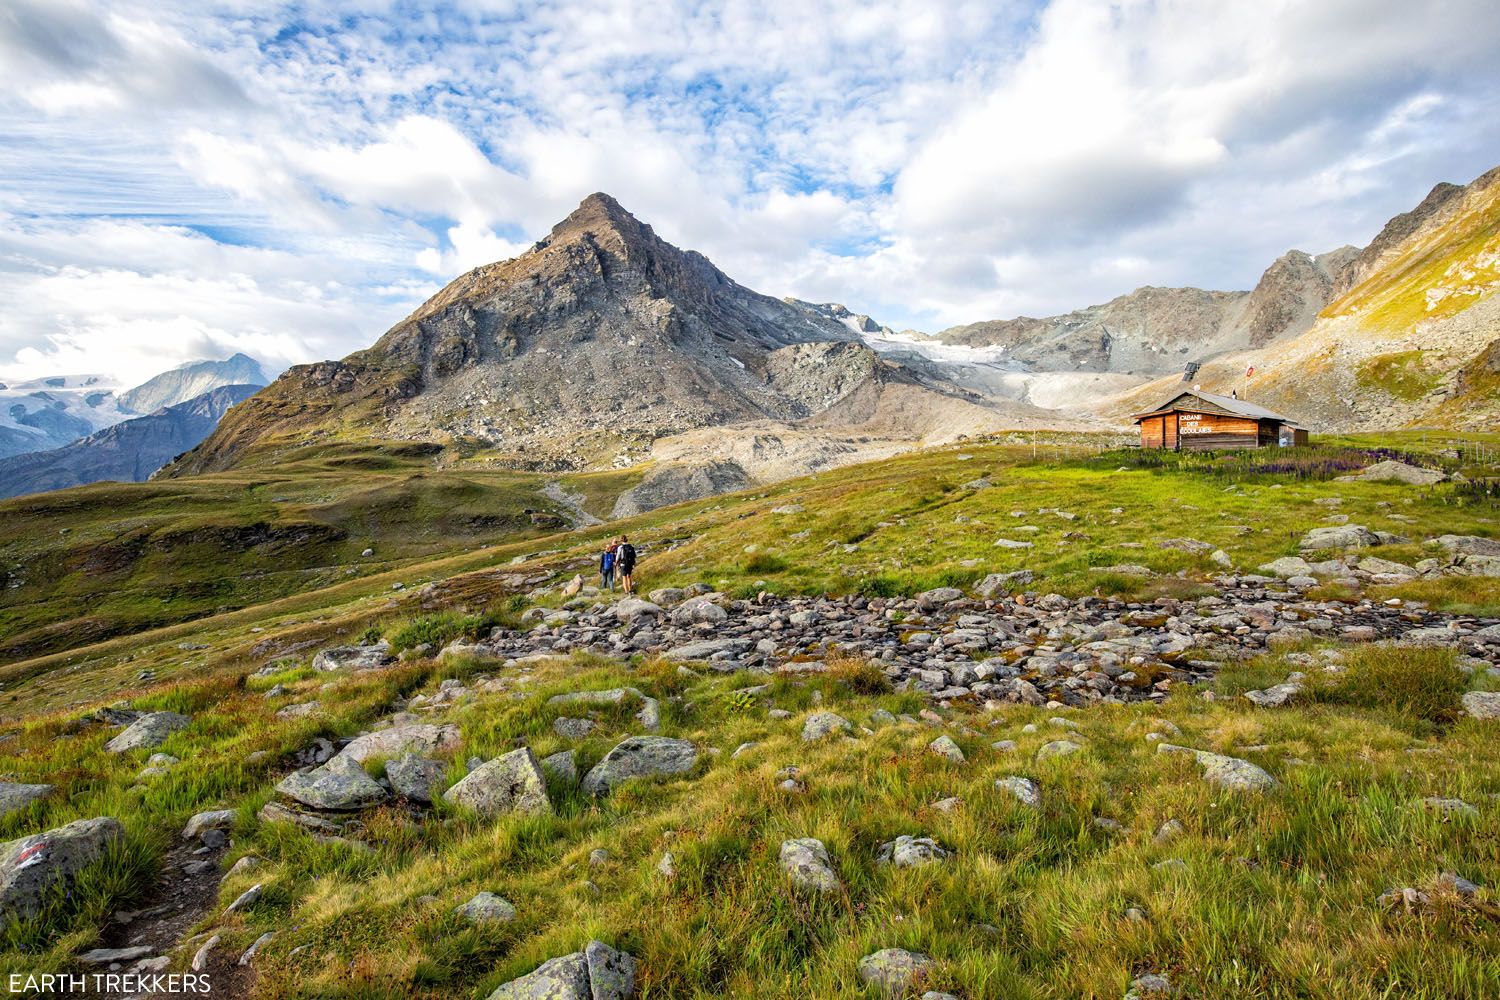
(1228, 404)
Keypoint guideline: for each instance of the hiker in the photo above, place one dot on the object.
(625, 559)
(607, 567)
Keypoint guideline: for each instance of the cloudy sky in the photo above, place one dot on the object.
(186, 178)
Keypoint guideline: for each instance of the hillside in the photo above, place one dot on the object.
(1158, 330)
(844, 726)
(129, 451)
(1404, 344)
(190, 381)
(579, 353)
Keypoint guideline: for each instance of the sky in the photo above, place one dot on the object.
(184, 179)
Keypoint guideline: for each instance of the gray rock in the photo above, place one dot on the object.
(911, 852)
(628, 609)
(1396, 472)
(1226, 772)
(15, 796)
(218, 819)
(339, 785)
(1479, 704)
(425, 740)
(415, 778)
(597, 973)
(1026, 791)
(562, 766)
(107, 956)
(255, 947)
(1469, 545)
(805, 860)
(572, 729)
(1058, 748)
(1339, 536)
(938, 597)
(200, 958)
(148, 731)
(1275, 697)
(1004, 583)
(698, 610)
(34, 867)
(512, 783)
(944, 746)
(1149, 987)
(1288, 566)
(369, 657)
(245, 899)
(649, 716)
(486, 907)
(640, 757)
(820, 724)
(667, 596)
(892, 972)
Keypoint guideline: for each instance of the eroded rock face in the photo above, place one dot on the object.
(148, 732)
(34, 867)
(512, 783)
(640, 757)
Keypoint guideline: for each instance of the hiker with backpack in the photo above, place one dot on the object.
(607, 560)
(625, 563)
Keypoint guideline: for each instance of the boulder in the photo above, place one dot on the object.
(148, 731)
(599, 972)
(911, 852)
(1396, 472)
(33, 868)
(667, 596)
(486, 908)
(805, 860)
(640, 757)
(630, 608)
(1003, 583)
(415, 778)
(200, 823)
(512, 783)
(944, 746)
(1482, 704)
(699, 610)
(425, 740)
(938, 597)
(1058, 748)
(1339, 536)
(649, 716)
(820, 724)
(1275, 697)
(1025, 790)
(1288, 566)
(15, 796)
(1469, 545)
(562, 766)
(1226, 772)
(369, 657)
(339, 785)
(892, 972)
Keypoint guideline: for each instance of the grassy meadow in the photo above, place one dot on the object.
(1275, 895)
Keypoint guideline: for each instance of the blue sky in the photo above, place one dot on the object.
(188, 179)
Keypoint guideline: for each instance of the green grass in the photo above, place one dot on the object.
(1402, 375)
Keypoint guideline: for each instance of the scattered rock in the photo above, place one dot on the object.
(426, 740)
(512, 783)
(1396, 472)
(893, 971)
(148, 731)
(640, 757)
(486, 907)
(820, 724)
(15, 796)
(415, 778)
(806, 861)
(34, 867)
(339, 785)
(1026, 791)
(1226, 772)
(944, 747)
(910, 852)
(597, 973)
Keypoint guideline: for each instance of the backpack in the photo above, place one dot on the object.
(607, 561)
(626, 557)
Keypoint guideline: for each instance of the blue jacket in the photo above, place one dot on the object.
(607, 562)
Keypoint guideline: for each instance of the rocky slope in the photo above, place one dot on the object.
(190, 381)
(596, 343)
(1407, 341)
(1159, 330)
(129, 451)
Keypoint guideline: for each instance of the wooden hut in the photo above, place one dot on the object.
(1204, 421)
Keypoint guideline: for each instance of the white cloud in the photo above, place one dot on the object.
(192, 176)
